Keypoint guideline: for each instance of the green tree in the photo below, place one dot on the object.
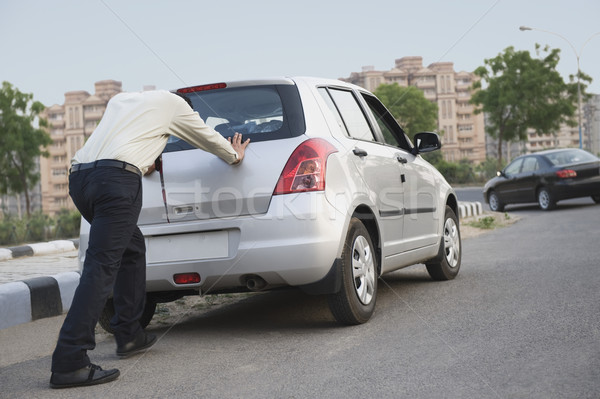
(22, 141)
(410, 107)
(522, 92)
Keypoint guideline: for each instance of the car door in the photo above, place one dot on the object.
(375, 162)
(508, 186)
(526, 179)
(420, 224)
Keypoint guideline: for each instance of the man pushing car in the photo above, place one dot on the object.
(105, 183)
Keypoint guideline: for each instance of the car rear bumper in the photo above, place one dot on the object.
(295, 243)
(575, 189)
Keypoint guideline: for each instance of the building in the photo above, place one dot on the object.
(463, 131)
(568, 136)
(70, 125)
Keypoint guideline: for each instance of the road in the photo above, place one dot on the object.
(522, 320)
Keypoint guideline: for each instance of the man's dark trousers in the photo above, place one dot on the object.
(110, 199)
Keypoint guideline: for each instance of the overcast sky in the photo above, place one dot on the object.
(50, 47)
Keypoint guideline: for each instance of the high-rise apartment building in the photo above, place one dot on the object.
(70, 125)
(463, 130)
(568, 136)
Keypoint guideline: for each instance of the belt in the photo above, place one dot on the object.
(106, 163)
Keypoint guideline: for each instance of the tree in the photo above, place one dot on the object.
(523, 92)
(22, 141)
(410, 107)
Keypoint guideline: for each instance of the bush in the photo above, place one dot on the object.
(39, 227)
(67, 224)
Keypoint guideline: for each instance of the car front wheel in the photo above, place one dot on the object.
(596, 198)
(109, 311)
(355, 302)
(495, 204)
(447, 264)
(546, 200)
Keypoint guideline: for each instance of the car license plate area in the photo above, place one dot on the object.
(187, 247)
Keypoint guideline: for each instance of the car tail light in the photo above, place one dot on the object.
(194, 89)
(566, 173)
(186, 278)
(305, 170)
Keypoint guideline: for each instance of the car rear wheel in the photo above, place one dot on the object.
(495, 204)
(109, 311)
(546, 200)
(355, 302)
(447, 264)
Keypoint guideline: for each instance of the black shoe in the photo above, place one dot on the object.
(88, 375)
(142, 342)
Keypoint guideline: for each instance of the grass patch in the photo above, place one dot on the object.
(486, 223)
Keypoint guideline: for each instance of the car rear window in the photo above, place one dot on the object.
(568, 157)
(261, 113)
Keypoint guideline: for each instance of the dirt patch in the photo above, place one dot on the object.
(488, 221)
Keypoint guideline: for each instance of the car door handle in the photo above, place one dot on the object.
(401, 159)
(359, 152)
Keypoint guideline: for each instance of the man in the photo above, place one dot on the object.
(105, 185)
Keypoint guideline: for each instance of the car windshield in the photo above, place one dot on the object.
(261, 113)
(568, 157)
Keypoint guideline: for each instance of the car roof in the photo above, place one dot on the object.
(554, 151)
(283, 80)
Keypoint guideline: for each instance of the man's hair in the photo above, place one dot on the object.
(186, 98)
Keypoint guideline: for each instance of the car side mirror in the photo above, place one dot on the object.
(500, 173)
(426, 142)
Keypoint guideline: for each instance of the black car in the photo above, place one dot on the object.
(545, 177)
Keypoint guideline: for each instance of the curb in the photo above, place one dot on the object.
(43, 248)
(36, 298)
(468, 209)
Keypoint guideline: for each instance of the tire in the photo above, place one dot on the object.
(495, 204)
(447, 264)
(355, 302)
(545, 200)
(596, 198)
(109, 311)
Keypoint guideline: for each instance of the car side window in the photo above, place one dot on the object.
(530, 164)
(392, 132)
(331, 105)
(354, 119)
(514, 167)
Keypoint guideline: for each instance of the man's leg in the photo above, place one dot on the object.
(129, 294)
(114, 195)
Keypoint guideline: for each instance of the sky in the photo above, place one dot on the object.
(50, 47)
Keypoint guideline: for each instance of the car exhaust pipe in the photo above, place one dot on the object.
(256, 283)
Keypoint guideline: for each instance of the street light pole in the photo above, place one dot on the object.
(577, 56)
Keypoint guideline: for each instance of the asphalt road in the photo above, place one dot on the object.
(522, 320)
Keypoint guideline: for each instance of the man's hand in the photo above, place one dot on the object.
(238, 146)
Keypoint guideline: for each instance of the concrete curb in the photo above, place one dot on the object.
(36, 298)
(469, 209)
(43, 248)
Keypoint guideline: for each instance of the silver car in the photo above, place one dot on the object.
(331, 195)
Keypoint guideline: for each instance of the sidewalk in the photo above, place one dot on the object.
(37, 280)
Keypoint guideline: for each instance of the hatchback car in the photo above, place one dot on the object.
(546, 177)
(331, 195)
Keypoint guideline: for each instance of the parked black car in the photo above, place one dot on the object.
(546, 177)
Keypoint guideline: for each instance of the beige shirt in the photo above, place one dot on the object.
(136, 126)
